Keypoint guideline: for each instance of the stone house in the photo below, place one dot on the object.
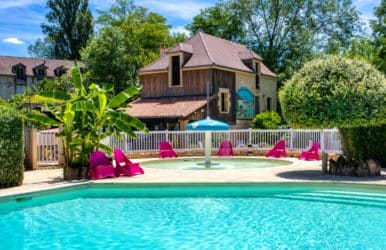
(175, 85)
(19, 73)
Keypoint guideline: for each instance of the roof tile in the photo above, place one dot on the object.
(7, 62)
(210, 50)
(166, 107)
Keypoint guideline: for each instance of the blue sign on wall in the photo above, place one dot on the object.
(244, 104)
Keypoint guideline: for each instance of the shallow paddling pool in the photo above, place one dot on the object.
(219, 163)
(196, 216)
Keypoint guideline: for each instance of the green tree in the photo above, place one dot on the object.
(222, 20)
(335, 92)
(69, 26)
(87, 116)
(361, 47)
(284, 33)
(379, 35)
(130, 37)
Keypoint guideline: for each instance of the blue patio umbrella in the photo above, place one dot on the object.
(208, 125)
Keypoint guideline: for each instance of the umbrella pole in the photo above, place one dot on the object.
(208, 147)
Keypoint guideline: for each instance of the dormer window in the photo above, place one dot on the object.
(257, 79)
(60, 71)
(175, 71)
(19, 71)
(40, 72)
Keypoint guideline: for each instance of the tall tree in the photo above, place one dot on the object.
(222, 20)
(285, 33)
(69, 27)
(130, 37)
(379, 35)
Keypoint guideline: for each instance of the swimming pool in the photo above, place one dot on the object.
(197, 216)
(219, 163)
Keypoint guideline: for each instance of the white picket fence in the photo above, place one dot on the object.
(247, 139)
(48, 147)
(296, 139)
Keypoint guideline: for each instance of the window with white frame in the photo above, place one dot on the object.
(224, 100)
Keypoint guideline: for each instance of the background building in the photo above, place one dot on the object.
(19, 73)
(175, 85)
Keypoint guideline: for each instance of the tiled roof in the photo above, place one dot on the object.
(209, 50)
(182, 47)
(7, 62)
(166, 107)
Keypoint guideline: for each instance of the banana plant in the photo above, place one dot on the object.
(87, 116)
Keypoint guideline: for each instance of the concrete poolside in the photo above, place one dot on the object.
(299, 171)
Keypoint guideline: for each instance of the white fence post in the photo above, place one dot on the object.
(250, 136)
(291, 139)
(322, 140)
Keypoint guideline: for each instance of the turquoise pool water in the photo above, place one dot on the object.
(220, 163)
(256, 216)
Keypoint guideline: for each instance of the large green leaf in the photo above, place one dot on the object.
(123, 127)
(129, 120)
(105, 148)
(77, 79)
(102, 101)
(68, 117)
(123, 97)
(43, 119)
(82, 106)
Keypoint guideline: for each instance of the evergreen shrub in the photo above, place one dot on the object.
(11, 148)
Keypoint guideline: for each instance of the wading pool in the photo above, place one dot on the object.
(218, 163)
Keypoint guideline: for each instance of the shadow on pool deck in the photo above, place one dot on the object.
(316, 175)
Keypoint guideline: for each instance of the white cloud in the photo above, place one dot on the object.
(180, 29)
(13, 40)
(176, 8)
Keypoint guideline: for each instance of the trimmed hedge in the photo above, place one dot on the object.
(266, 120)
(368, 143)
(11, 148)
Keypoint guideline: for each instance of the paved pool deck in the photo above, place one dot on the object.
(298, 171)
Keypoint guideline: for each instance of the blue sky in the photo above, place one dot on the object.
(20, 19)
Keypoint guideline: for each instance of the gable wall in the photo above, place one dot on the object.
(194, 82)
(224, 80)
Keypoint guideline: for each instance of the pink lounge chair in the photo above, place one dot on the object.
(100, 166)
(226, 149)
(278, 150)
(166, 150)
(311, 154)
(125, 166)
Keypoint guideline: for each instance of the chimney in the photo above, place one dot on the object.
(163, 49)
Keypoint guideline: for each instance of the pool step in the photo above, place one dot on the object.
(338, 197)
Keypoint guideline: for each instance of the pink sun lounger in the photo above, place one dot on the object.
(166, 150)
(100, 166)
(125, 166)
(311, 154)
(278, 150)
(226, 149)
